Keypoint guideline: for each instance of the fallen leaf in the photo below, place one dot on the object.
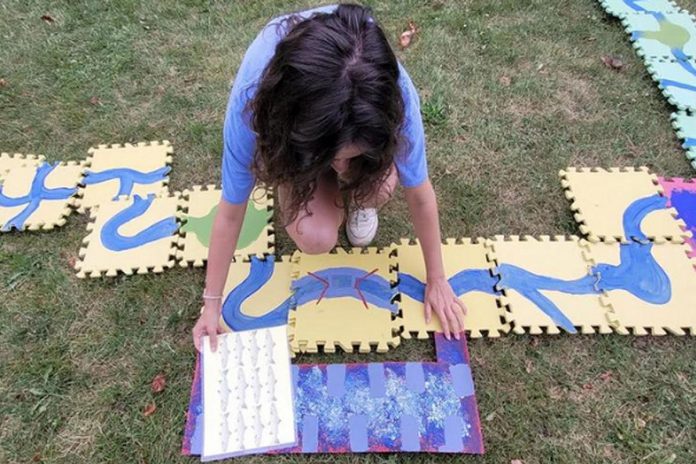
(606, 376)
(613, 62)
(149, 409)
(407, 36)
(528, 366)
(36, 457)
(504, 81)
(534, 342)
(158, 383)
(48, 19)
(3, 83)
(640, 423)
(587, 386)
(95, 101)
(517, 461)
(72, 261)
(490, 417)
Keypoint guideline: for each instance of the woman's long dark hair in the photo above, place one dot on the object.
(332, 82)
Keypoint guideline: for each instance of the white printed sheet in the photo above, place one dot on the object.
(247, 394)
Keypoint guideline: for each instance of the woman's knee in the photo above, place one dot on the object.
(316, 241)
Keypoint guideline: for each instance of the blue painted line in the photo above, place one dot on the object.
(342, 282)
(415, 378)
(410, 436)
(463, 282)
(113, 240)
(358, 433)
(462, 380)
(335, 379)
(689, 142)
(310, 434)
(453, 435)
(378, 386)
(38, 192)
(677, 84)
(632, 4)
(127, 178)
(260, 272)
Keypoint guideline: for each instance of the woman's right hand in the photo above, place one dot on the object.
(208, 324)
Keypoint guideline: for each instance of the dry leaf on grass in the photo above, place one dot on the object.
(158, 383)
(528, 366)
(613, 62)
(407, 36)
(149, 409)
(48, 19)
(3, 83)
(95, 101)
(504, 81)
(517, 461)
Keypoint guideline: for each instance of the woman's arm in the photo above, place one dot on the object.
(223, 242)
(439, 296)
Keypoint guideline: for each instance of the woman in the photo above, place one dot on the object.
(321, 110)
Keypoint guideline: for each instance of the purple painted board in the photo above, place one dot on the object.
(193, 440)
(382, 407)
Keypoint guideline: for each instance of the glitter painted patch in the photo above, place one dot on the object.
(381, 407)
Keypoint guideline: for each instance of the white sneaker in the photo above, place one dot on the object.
(361, 227)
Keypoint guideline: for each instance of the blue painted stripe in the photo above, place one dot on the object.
(689, 142)
(335, 379)
(410, 436)
(462, 380)
(127, 178)
(358, 433)
(310, 434)
(113, 240)
(260, 272)
(38, 192)
(378, 386)
(677, 84)
(342, 282)
(415, 378)
(453, 435)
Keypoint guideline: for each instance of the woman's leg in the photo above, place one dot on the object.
(385, 192)
(315, 230)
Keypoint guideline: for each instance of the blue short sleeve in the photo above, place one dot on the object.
(410, 161)
(238, 139)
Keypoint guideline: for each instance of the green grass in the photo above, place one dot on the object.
(512, 91)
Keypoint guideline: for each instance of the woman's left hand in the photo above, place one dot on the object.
(440, 297)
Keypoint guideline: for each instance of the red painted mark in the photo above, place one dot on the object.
(324, 282)
(358, 281)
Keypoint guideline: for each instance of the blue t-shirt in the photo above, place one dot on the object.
(239, 140)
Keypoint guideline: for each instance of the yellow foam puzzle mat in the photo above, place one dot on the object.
(344, 299)
(602, 200)
(38, 196)
(18, 160)
(126, 169)
(255, 289)
(468, 271)
(130, 234)
(547, 284)
(199, 207)
(654, 291)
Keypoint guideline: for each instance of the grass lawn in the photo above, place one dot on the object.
(512, 91)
